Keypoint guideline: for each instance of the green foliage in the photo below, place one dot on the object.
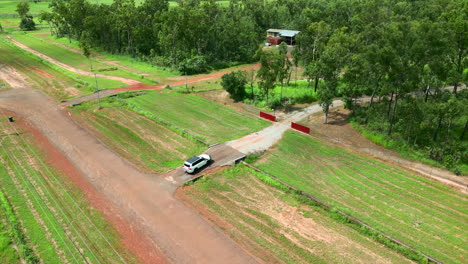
(193, 65)
(15, 233)
(234, 83)
(27, 23)
(22, 9)
(297, 92)
(425, 130)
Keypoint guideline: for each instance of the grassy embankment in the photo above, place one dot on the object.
(212, 122)
(422, 213)
(47, 218)
(276, 226)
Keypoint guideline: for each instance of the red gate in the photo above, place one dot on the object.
(301, 128)
(268, 116)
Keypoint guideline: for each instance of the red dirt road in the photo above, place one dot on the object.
(141, 199)
(141, 86)
(132, 237)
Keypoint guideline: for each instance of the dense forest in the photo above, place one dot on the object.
(407, 56)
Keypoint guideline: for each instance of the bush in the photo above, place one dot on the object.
(194, 65)
(234, 83)
(27, 23)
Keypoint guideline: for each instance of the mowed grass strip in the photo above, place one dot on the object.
(134, 65)
(74, 59)
(205, 119)
(54, 81)
(8, 7)
(146, 143)
(58, 223)
(424, 214)
(276, 227)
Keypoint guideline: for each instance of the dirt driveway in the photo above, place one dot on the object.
(147, 200)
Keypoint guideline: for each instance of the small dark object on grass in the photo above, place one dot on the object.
(10, 118)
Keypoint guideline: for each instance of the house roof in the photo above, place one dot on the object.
(289, 33)
(284, 32)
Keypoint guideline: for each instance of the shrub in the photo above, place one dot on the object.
(193, 65)
(234, 83)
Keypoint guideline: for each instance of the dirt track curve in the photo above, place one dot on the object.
(180, 233)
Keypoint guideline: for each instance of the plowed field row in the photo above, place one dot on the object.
(277, 228)
(57, 221)
(426, 215)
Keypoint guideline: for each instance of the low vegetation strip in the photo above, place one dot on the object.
(57, 222)
(53, 80)
(276, 225)
(13, 246)
(146, 143)
(73, 61)
(420, 213)
(206, 120)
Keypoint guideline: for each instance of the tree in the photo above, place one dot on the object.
(234, 83)
(332, 63)
(267, 73)
(22, 9)
(282, 65)
(456, 25)
(310, 45)
(27, 22)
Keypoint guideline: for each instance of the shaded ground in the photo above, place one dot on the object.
(141, 199)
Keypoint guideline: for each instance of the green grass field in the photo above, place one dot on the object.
(207, 120)
(8, 7)
(147, 144)
(297, 92)
(75, 59)
(276, 227)
(150, 72)
(424, 214)
(51, 79)
(49, 219)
